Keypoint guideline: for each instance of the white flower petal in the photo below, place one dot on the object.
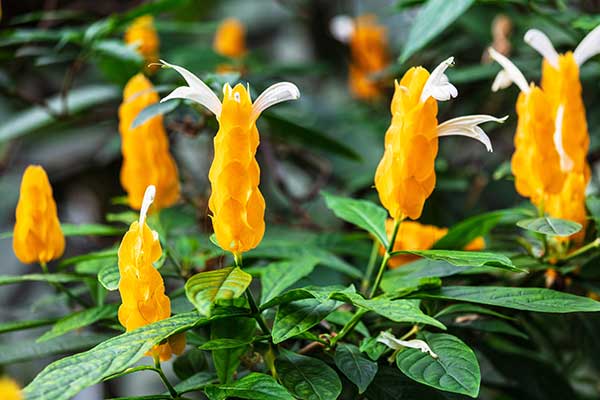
(392, 342)
(502, 81)
(201, 92)
(438, 86)
(511, 69)
(146, 203)
(566, 164)
(589, 47)
(540, 42)
(468, 126)
(342, 28)
(274, 94)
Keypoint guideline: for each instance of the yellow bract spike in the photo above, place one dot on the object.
(37, 234)
(9, 390)
(141, 33)
(230, 39)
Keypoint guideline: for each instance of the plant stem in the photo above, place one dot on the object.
(59, 287)
(592, 245)
(159, 371)
(349, 326)
(386, 257)
(253, 307)
(364, 286)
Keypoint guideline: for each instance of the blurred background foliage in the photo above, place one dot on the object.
(63, 68)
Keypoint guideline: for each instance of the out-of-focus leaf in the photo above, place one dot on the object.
(359, 369)
(528, 299)
(25, 36)
(550, 226)
(154, 110)
(362, 213)
(78, 99)
(79, 320)
(91, 230)
(487, 325)
(58, 277)
(22, 325)
(466, 308)
(109, 277)
(433, 19)
(306, 377)
(117, 60)
(291, 131)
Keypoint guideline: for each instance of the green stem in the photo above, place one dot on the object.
(590, 246)
(364, 286)
(59, 287)
(386, 257)
(253, 307)
(349, 326)
(159, 371)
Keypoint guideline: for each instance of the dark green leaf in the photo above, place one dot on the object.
(223, 343)
(307, 378)
(372, 348)
(528, 299)
(454, 370)
(79, 320)
(253, 386)
(299, 316)
(470, 309)
(362, 213)
(227, 360)
(153, 110)
(204, 288)
(433, 19)
(276, 277)
(410, 274)
(357, 368)
(550, 226)
(402, 310)
(486, 325)
(190, 363)
(22, 325)
(341, 318)
(195, 382)
(465, 258)
(321, 293)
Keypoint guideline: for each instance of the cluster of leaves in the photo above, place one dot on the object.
(315, 330)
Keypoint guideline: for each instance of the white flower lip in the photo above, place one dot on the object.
(438, 86)
(510, 72)
(149, 195)
(197, 91)
(566, 164)
(342, 28)
(468, 126)
(540, 42)
(392, 342)
(588, 47)
(274, 94)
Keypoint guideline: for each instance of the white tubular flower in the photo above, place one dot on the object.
(566, 164)
(274, 94)
(392, 342)
(501, 81)
(149, 195)
(438, 86)
(589, 47)
(342, 28)
(540, 42)
(197, 91)
(468, 126)
(509, 72)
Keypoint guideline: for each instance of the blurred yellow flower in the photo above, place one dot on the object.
(141, 286)
(145, 149)
(37, 234)
(142, 33)
(413, 235)
(9, 390)
(236, 203)
(405, 176)
(230, 39)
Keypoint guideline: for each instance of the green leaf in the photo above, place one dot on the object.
(109, 277)
(487, 325)
(154, 110)
(357, 368)
(465, 231)
(24, 350)
(341, 318)
(307, 378)
(190, 363)
(470, 309)
(433, 18)
(465, 258)
(362, 213)
(79, 320)
(195, 382)
(321, 293)
(454, 370)
(527, 299)
(227, 360)
(276, 277)
(223, 343)
(22, 325)
(292, 131)
(372, 348)
(64, 378)
(401, 310)
(391, 384)
(91, 230)
(550, 226)
(299, 316)
(410, 274)
(253, 386)
(54, 277)
(204, 288)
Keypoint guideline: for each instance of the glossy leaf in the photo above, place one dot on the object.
(357, 368)
(402, 310)
(195, 382)
(307, 378)
(454, 370)
(276, 277)
(299, 316)
(465, 258)
(79, 320)
(253, 386)
(362, 213)
(550, 226)
(204, 288)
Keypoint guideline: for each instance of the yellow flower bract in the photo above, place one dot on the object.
(145, 149)
(142, 33)
(37, 234)
(9, 390)
(230, 39)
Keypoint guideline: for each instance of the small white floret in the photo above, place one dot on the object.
(438, 86)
